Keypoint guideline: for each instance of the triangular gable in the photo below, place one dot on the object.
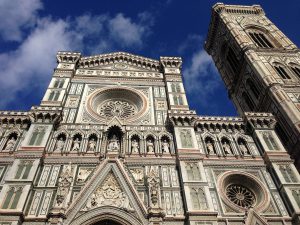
(252, 218)
(109, 188)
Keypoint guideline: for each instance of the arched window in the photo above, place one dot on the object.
(296, 195)
(59, 83)
(248, 101)
(12, 198)
(296, 70)
(193, 171)
(24, 168)
(54, 95)
(232, 60)
(287, 174)
(178, 100)
(198, 199)
(250, 85)
(281, 71)
(260, 39)
(37, 136)
(175, 87)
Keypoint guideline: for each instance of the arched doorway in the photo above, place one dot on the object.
(107, 222)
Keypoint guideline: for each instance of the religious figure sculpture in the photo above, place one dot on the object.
(92, 145)
(210, 147)
(83, 175)
(165, 146)
(138, 175)
(10, 144)
(59, 145)
(244, 148)
(76, 145)
(226, 148)
(134, 146)
(109, 193)
(150, 146)
(64, 183)
(113, 144)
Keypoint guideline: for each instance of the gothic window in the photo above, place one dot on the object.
(240, 195)
(248, 101)
(54, 95)
(198, 199)
(12, 198)
(23, 170)
(178, 100)
(37, 136)
(175, 87)
(270, 141)
(260, 39)
(250, 86)
(59, 83)
(193, 171)
(281, 72)
(287, 174)
(296, 195)
(296, 70)
(186, 138)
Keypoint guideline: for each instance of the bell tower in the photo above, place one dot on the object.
(260, 67)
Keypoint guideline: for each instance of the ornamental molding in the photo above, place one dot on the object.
(243, 180)
(42, 114)
(14, 118)
(260, 120)
(100, 177)
(121, 58)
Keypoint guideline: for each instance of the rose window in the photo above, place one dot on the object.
(240, 195)
(123, 102)
(118, 108)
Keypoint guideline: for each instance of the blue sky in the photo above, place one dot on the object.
(32, 31)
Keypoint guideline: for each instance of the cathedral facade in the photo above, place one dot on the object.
(115, 142)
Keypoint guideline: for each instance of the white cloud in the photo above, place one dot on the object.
(125, 31)
(15, 15)
(200, 75)
(30, 66)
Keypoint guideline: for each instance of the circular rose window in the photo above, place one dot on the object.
(122, 102)
(241, 190)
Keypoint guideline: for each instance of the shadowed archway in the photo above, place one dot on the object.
(107, 222)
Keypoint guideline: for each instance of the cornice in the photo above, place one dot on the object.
(14, 118)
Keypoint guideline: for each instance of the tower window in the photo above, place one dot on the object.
(250, 85)
(54, 95)
(248, 101)
(261, 40)
(232, 60)
(281, 72)
(296, 71)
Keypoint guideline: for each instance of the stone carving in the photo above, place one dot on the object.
(10, 144)
(113, 144)
(121, 109)
(243, 147)
(226, 147)
(92, 145)
(76, 145)
(59, 145)
(186, 138)
(109, 194)
(210, 147)
(138, 175)
(154, 188)
(83, 174)
(64, 183)
(135, 146)
(165, 146)
(150, 146)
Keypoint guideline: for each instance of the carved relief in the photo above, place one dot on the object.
(138, 175)
(83, 174)
(109, 194)
(64, 183)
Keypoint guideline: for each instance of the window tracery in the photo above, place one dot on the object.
(287, 174)
(198, 199)
(281, 71)
(240, 195)
(12, 198)
(260, 39)
(193, 171)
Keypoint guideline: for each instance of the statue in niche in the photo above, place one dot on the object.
(165, 146)
(64, 184)
(135, 146)
(154, 182)
(113, 144)
(10, 144)
(76, 145)
(210, 147)
(59, 144)
(186, 139)
(244, 148)
(226, 147)
(92, 145)
(150, 146)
